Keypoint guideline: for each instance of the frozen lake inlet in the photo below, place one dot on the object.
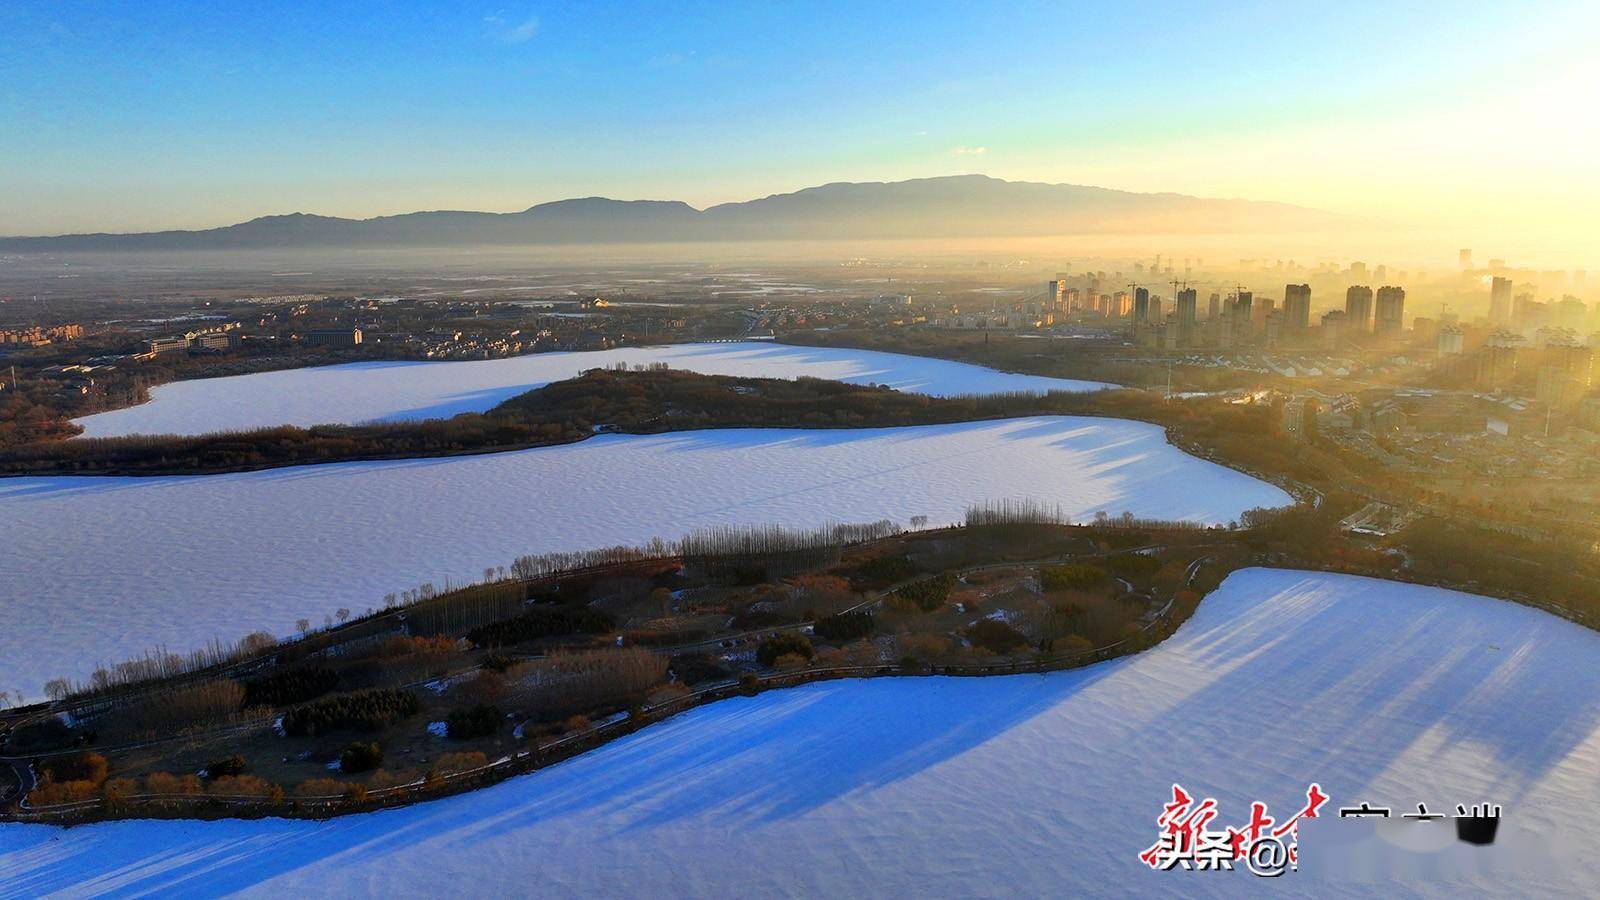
(1029, 785)
(102, 568)
(396, 391)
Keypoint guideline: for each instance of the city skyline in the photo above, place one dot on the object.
(176, 117)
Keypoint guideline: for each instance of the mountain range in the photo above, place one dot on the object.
(959, 206)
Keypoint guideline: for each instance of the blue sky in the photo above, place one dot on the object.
(134, 116)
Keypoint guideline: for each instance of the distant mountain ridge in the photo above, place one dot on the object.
(957, 206)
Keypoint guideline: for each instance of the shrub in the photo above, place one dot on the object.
(1118, 540)
(81, 766)
(749, 682)
(361, 710)
(790, 662)
(1133, 565)
(43, 736)
(667, 693)
(783, 644)
(887, 569)
(926, 595)
(485, 686)
(845, 626)
(228, 765)
(541, 623)
(313, 788)
(360, 757)
(495, 661)
(460, 762)
(181, 709)
(116, 790)
(822, 595)
(384, 779)
(167, 783)
(565, 683)
(242, 786)
(481, 720)
(51, 793)
(929, 648)
(1070, 645)
(995, 636)
(1070, 577)
(694, 668)
(290, 687)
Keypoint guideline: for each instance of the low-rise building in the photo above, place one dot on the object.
(334, 337)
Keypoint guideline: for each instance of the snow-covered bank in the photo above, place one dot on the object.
(100, 568)
(1017, 786)
(394, 391)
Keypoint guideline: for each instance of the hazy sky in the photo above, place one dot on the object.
(150, 115)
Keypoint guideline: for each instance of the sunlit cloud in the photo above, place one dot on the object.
(969, 151)
(511, 31)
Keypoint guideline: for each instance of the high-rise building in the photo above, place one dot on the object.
(1141, 305)
(1529, 314)
(1572, 313)
(1297, 306)
(1358, 310)
(1466, 259)
(1055, 292)
(1497, 361)
(1448, 342)
(1187, 300)
(1332, 328)
(1500, 299)
(1186, 316)
(1214, 307)
(1391, 312)
(1564, 378)
(1272, 327)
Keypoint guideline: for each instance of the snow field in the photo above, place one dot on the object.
(397, 391)
(102, 568)
(1031, 785)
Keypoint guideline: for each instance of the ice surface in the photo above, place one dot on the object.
(392, 391)
(102, 568)
(1019, 786)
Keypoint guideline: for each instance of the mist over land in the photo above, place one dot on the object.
(923, 209)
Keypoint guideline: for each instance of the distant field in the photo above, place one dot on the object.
(396, 391)
(1027, 785)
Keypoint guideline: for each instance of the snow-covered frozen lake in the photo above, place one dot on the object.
(1035, 785)
(102, 568)
(395, 391)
